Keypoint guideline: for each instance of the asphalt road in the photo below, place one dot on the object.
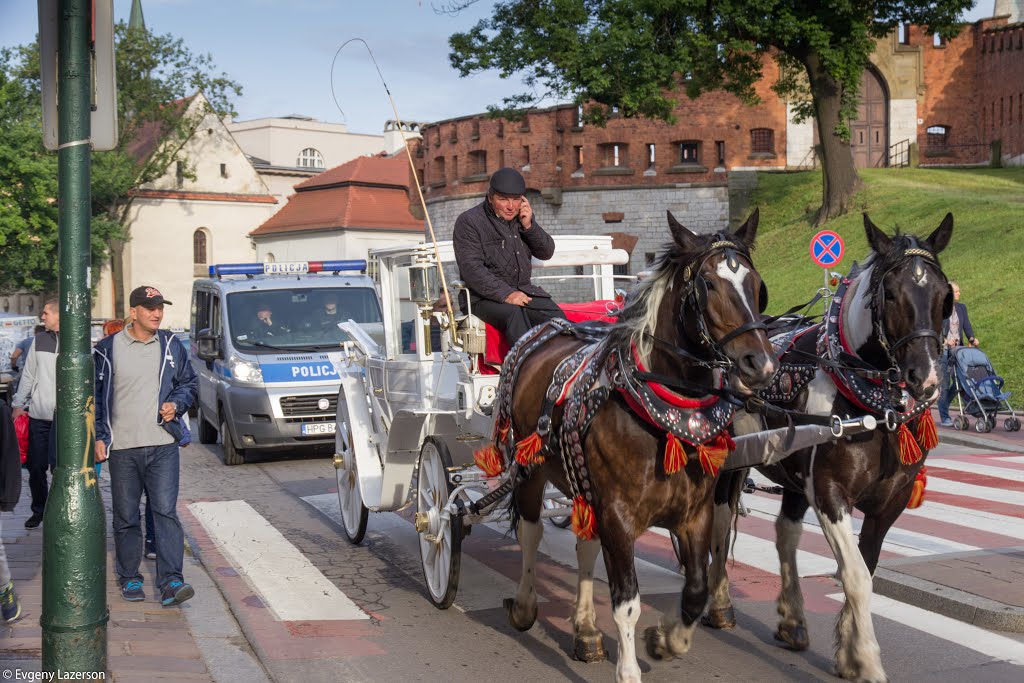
(315, 608)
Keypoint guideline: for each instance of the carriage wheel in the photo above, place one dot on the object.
(440, 532)
(961, 423)
(350, 500)
(561, 522)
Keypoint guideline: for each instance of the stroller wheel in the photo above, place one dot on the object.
(1011, 424)
(961, 423)
(982, 426)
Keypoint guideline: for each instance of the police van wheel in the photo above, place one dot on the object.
(207, 434)
(232, 455)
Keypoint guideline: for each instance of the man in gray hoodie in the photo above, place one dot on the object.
(37, 393)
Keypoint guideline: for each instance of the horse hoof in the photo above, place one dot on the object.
(794, 636)
(657, 648)
(719, 618)
(588, 650)
(518, 621)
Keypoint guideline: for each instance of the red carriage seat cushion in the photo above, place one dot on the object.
(497, 347)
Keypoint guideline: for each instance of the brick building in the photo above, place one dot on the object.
(923, 101)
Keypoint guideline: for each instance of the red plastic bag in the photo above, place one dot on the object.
(21, 430)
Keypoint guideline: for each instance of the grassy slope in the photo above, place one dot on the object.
(986, 254)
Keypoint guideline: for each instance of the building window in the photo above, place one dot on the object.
(903, 34)
(620, 269)
(762, 141)
(310, 158)
(200, 247)
(455, 133)
(223, 170)
(179, 173)
(455, 167)
(476, 129)
(578, 154)
(938, 136)
(501, 128)
(477, 163)
(270, 258)
(501, 158)
(613, 155)
(649, 258)
(650, 156)
(579, 116)
(439, 175)
(938, 41)
(526, 157)
(720, 152)
(689, 152)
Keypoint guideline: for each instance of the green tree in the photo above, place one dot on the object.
(157, 75)
(633, 54)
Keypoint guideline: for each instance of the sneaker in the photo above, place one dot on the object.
(946, 423)
(175, 593)
(10, 606)
(35, 520)
(150, 551)
(132, 591)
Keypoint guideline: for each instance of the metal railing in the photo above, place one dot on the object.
(899, 154)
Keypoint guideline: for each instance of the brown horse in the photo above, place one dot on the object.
(886, 318)
(694, 321)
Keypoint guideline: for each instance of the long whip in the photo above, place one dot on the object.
(412, 166)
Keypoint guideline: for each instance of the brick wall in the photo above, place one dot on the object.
(1001, 70)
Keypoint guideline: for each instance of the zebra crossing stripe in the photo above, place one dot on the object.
(936, 464)
(287, 583)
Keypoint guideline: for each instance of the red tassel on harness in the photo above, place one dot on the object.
(917, 494)
(528, 450)
(910, 452)
(927, 435)
(675, 456)
(489, 460)
(713, 453)
(584, 524)
(501, 431)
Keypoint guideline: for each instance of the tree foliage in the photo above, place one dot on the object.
(155, 76)
(634, 54)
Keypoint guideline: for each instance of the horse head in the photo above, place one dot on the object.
(910, 297)
(719, 297)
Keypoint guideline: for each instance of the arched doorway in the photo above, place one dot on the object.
(869, 133)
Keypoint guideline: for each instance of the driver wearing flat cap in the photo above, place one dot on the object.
(494, 244)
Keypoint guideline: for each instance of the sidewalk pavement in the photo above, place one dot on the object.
(146, 642)
(981, 587)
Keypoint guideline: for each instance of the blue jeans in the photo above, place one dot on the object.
(153, 469)
(947, 362)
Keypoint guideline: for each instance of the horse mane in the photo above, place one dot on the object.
(900, 243)
(639, 317)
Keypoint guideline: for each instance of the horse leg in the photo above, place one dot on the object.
(617, 545)
(522, 610)
(876, 525)
(673, 638)
(792, 628)
(720, 613)
(587, 645)
(858, 656)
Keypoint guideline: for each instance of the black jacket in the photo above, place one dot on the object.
(965, 324)
(10, 461)
(494, 254)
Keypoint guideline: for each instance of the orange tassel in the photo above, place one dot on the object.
(927, 435)
(910, 452)
(501, 431)
(675, 456)
(489, 460)
(528, 450)
(584, 524)
(917, 494)
(713, 453)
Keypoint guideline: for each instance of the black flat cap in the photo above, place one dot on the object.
(508, 181)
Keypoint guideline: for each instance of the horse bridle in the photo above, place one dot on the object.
(918, 257)
(695, 296)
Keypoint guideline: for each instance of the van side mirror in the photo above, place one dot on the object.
(207, 345)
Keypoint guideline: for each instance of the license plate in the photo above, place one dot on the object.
(318, 428)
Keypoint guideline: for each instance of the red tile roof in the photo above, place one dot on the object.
(365, 193)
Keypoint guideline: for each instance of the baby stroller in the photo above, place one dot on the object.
(979, 392)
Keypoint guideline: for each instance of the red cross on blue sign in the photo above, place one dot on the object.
(826, 249)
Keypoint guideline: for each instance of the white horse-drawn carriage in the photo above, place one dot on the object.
(416, 400)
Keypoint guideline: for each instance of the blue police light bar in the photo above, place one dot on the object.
(287, 267)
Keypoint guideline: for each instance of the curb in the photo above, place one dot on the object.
(949, 602)
(949, 436)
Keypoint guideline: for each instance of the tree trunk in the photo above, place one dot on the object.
(839, 177)
(117, 275)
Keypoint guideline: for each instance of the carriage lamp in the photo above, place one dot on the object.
(424, 284)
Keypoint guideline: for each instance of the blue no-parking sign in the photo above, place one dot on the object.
(827, 248)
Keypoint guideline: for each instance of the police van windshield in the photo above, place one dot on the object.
(268, 320)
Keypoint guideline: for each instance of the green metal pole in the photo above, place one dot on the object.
(74, 618)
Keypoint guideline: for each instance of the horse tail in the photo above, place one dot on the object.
(739, 477)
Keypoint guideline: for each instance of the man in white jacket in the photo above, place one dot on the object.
(37, 394)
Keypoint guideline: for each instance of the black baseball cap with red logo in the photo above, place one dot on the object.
(150, 297)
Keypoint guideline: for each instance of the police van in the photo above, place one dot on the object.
(265, 343)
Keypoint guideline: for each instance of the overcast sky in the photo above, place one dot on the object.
(281, 53)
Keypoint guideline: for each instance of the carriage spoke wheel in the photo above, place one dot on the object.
(353, 513)
(440, 534)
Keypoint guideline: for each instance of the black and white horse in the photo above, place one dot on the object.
(877, 351)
